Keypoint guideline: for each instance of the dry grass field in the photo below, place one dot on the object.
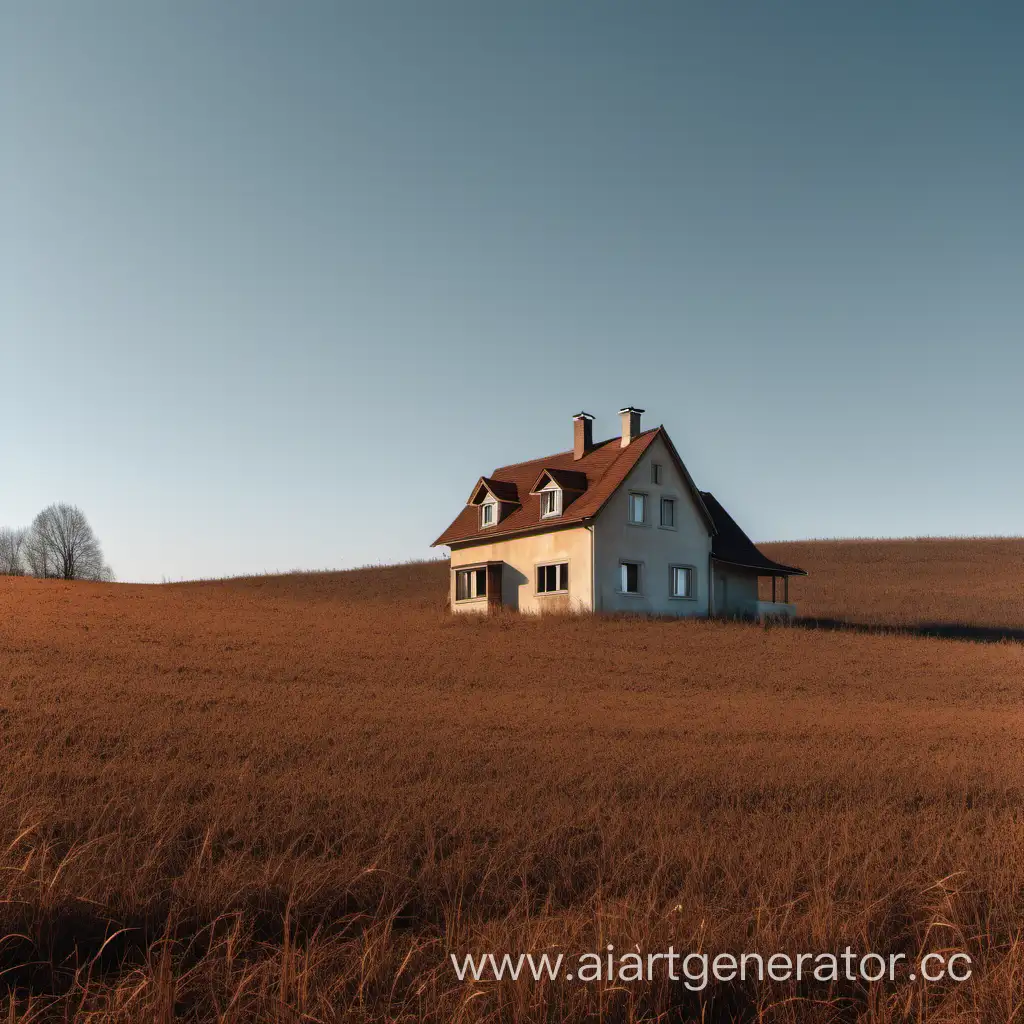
(935, 585)
(291, 798)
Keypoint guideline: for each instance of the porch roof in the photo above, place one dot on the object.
(730, 544)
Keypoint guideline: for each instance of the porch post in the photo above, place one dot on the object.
(785, 586)
(773, 589)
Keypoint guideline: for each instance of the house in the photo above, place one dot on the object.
(612, 526)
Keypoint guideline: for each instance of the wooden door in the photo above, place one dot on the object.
(494, 586)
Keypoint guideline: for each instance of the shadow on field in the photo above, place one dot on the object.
(77, 948)
(69, 941)
(936, 630)
(65, 945)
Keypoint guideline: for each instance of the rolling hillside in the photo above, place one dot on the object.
(932, 582)
(291, 798)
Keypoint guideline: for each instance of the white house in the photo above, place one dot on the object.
(616, 526)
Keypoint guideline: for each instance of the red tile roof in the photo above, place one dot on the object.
(604, 467)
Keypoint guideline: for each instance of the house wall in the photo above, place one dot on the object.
(735, 590)
(521, 556)
(656, 547)
(741, 595)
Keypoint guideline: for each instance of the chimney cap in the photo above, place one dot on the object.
(630, 408)
(582, 416)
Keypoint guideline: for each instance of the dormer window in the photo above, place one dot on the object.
(557, 489)
(496, 500)
(550, 502)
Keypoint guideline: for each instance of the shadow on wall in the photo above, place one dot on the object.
(512, 580)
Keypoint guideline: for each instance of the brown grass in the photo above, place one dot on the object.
(944, 582)
(289, 798)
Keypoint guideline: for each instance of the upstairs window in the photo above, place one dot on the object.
(630, 581)
(470, 583)
(682, 581)
(551, 502)
(487, 514)
(638, 508)
(655, 472)
(668, 512)
(553, 579)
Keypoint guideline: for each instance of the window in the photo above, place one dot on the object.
(668, 512)
(487, 513)
(655, 472)
(551, 502)
(553, 579)
(637, 508)
(470, 583)
(682, 581)
(630, 577)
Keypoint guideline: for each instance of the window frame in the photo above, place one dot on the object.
(547, 565)
(662, 525)
(656, 473)
(476, 571)
(493, 506)
(620, 589)
(629, 508)
(556, 494)
(692, 570)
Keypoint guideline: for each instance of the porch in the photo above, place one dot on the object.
(773, 598)
(758, 592)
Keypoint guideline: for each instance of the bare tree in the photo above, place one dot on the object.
(37, 556)
(12, 551)
(61, 544)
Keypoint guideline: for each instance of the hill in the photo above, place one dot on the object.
(286, 798)
(932, 582)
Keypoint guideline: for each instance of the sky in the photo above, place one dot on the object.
(279, 281)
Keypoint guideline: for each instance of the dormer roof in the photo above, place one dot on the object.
(500, 490)
(567, 479)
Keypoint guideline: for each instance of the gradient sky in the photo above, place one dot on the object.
(278, 281)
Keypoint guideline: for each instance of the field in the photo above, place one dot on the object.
(949, 587)
(291, 798)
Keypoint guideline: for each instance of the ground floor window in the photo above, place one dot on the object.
(630, 577)
(470, 583)
(553, 579)
(682, 581)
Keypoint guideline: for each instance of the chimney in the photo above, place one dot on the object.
(630, 424)
(582, 434)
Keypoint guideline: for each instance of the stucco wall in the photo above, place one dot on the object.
(735, 590)
(521, 556)
(657, 548)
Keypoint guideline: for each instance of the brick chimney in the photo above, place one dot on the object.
(582, 434)
(630, 424)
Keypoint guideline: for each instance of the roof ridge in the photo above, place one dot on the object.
(526, 462)
(569, 451)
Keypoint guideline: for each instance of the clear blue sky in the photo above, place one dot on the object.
(278, 281)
